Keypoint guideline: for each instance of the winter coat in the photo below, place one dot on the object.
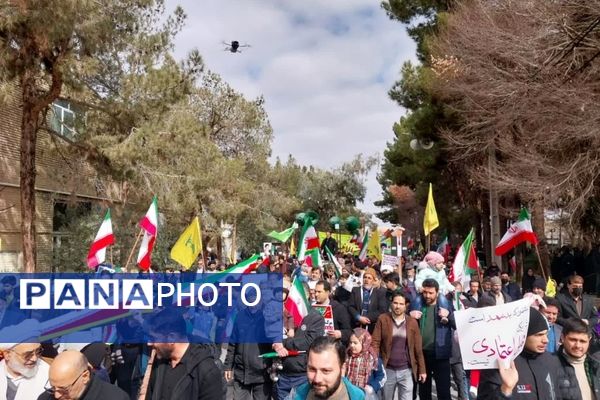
(243, 353)
(382, 342)
(378, 305)
(568, 309)
(538, 379)
(203, 379)
(443, 332)
(97, 390)
(311, 327)
(568, 386)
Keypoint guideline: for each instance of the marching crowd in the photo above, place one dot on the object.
(393, 336)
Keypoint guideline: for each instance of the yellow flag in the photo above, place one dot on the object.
(189, 245)
(292, 248)
(374, 246)
(430, 221)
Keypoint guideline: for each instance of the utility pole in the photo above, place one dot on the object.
(494, 214)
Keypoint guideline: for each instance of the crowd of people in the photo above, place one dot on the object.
(393, 335)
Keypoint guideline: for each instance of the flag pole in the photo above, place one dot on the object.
(137, 239)
(146, 380)
(537, 252)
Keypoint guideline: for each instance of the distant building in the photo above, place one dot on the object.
(61, 179)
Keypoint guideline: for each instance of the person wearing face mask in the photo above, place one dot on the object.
(510, 288)
(575, 304)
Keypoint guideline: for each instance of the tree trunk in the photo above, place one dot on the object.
(485, 227)
(29, 127)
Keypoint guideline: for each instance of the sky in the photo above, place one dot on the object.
(324, 68)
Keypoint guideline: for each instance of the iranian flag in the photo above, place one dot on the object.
(104, 238)
(149, 225)
(465, 262)
(519, 232)
(334, 260)
(309, 250)
(444, 248)
(297, 302)
(362, 255)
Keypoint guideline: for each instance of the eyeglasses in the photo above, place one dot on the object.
(28, 355)
(64, 390)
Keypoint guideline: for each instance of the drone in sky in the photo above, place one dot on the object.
(234, 46)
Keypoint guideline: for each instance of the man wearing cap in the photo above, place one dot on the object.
(409, 281)
(495, 296)
(23, 374)
(368, 302)
(532, 375)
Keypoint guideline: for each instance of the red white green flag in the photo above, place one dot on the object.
(362, 255)
(104, 238)
(309, 247)
(297, 302)
(336, 263)
(149, 225)
(465, 262)
(519, 232)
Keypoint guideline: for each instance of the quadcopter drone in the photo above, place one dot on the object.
(234, 46)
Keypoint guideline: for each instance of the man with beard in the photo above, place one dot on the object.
(70, 377)
(495, 296)
(326, 357)
(575, 304)
(532, 375)
(368, 302)
(23, 373)
(183, 371)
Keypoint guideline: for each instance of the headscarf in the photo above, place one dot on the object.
(359, 366)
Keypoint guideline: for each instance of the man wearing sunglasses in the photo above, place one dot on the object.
(70, 378)
(23, 373)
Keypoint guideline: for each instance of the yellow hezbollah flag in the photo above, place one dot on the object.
(292, 248)
(189, 245)
(374, 246)
(430, 222)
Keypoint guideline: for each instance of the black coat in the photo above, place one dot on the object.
(377, 306)
(97, 390)
(331, 243)
(311, 327)
(568, 309)
(513, 290)
(538, 379)
(568, 386)
(489, 297)
(341, 320)
(203, 379)
(243, 353)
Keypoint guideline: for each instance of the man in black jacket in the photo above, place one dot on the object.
(242, 363)
(330, 243)
(182, 370)
(368, 302)
(342, 328)
(70, 377)
(294, 366)
(532, 375)
(579, 377)
(575, 304)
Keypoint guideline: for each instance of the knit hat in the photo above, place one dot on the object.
(433, 258)
(537, 322)
(540, 283)
(494, 280)
(372, 272)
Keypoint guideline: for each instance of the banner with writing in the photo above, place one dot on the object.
(489, 334)
(390, 260)
(327, 313)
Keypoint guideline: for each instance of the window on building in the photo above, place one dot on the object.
(63, 119)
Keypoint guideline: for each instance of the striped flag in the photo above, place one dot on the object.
(519, 232)
(297, 302)
(465, 263)
(309, 247)
(149, 225)
(104, 238)
(362, 255)
(334, 260)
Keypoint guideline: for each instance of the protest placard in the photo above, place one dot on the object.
(390, 260)
(488, 334)
(327, 313)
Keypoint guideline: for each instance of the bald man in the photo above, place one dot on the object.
(71, 378)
